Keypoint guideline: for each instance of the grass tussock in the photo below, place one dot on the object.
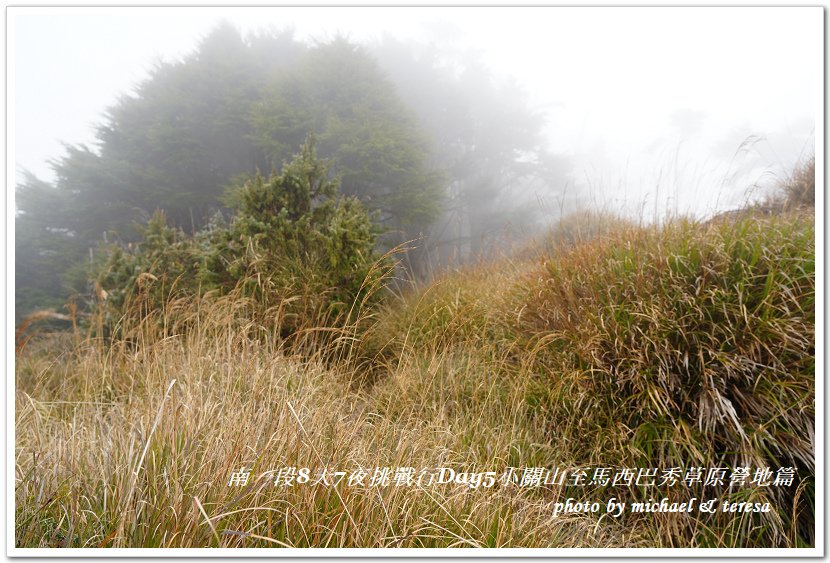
(683, 345)
(799, 190)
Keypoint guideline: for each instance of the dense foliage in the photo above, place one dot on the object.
(439, 149)
(295, 245)
(195, 126)
(336, 89)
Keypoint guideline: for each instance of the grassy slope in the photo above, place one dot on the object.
(685, 345)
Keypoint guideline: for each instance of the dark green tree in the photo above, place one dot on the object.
(185, 133)
(188, 132)
(338, 92)
(48, 264)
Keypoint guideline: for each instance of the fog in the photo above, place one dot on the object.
(651, 105)
(518, 116)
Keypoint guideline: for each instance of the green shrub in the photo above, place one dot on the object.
(295, 248)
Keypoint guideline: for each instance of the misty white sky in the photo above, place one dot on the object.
(651, 104)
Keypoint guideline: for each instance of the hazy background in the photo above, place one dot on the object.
(677, 109)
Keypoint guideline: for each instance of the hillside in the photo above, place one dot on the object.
(627, 364)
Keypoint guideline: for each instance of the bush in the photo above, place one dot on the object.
(295, 248)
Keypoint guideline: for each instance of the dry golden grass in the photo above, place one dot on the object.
(799, 189)
(686, 345)
(588, 354)
(123, 448)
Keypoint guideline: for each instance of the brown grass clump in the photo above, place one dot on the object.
(799, 190)
(686, 346)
